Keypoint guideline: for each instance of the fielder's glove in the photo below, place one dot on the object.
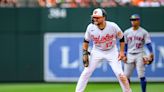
(148, 60)
(85, 58)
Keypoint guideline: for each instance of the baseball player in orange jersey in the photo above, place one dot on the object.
(103, 34)
(135, 39)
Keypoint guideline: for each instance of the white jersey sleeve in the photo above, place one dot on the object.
(118, 31)
(147, 37)
(87, 33)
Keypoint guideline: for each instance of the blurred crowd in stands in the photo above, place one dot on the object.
(81, 3)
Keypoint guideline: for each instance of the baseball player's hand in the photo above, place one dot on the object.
(121, 55)
(85, 61)
(148, 60)
(124, 59)
(151, 56)
(85, 58)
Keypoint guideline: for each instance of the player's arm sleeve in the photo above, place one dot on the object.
(86, 38)
(149, 46)
(147, 38)
(126, 49)
(122, 44)
(118, 31)
(122, 39)
(125, 37)
(148, 42)
(87, 35)
(126, 45)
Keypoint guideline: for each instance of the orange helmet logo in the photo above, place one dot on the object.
(95, 12)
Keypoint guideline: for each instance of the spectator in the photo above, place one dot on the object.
(136, 2)
(80, 3)
(69, 4)
(84, 3)
(108, 3)
(8, 3)
(51, 3)
(149, 3)
(27, 3)
(95, 3)
(124, 2)
(161, 2)
(73, 4)
(47, 3)
(42, 3)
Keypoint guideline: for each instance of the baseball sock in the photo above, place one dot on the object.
(143, 84)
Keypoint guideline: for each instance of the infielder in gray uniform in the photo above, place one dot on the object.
(135, 39)
(104, 35)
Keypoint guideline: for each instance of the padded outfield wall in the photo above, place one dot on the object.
(22, 32)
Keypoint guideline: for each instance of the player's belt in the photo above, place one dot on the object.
(133, 53)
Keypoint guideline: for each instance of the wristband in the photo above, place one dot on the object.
(85, 52)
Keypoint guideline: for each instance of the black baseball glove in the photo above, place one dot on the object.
(86, 58)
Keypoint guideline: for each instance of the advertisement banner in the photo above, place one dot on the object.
(63, 59)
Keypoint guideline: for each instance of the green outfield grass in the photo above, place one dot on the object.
(59, 87)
